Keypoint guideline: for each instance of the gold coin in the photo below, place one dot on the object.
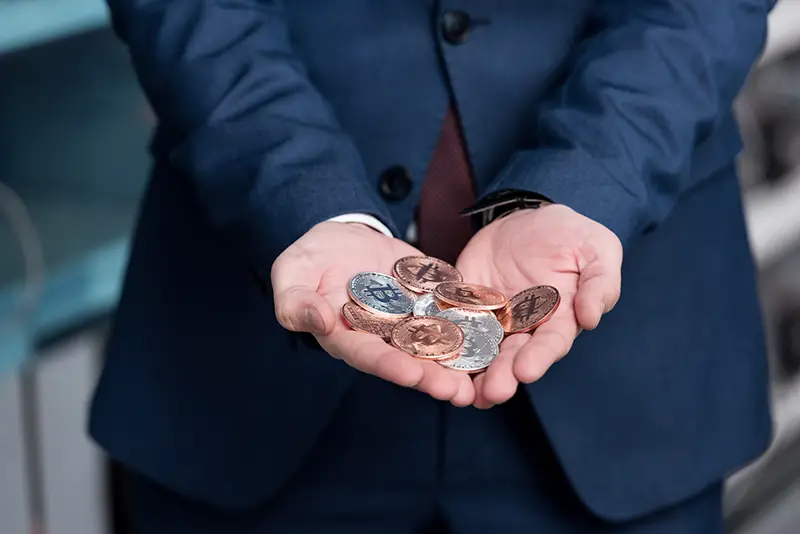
(422, 274)
(361, 320)
(429, 338)
(528, 309)
(472, 296)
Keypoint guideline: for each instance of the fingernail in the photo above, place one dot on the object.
(314, 321)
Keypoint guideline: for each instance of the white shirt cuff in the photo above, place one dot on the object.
(363, 218)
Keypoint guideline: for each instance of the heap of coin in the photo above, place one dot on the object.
(428, 311)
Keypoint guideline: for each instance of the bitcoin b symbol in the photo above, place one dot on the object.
(527, 308)
(469, 322)
(383, 294)
(466, 293)
(428, 272)
(426, 334)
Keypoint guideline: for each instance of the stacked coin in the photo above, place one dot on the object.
(428, 311)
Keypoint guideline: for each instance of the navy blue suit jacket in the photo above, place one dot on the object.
(275, 116)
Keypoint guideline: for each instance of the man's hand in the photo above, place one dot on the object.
(310, 280)
(552, 245)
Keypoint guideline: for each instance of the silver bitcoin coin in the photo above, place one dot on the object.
(381, 294)
(426, 306)
(481, 321)
(478, 352)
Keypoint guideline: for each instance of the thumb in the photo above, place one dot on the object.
(298, 306)
(598, 286)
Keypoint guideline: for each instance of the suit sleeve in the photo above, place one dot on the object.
(649, 81)
(257, 143)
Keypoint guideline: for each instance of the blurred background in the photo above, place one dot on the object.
(73, 134)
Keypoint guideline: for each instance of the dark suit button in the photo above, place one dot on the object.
(455, 27)
(396, 183)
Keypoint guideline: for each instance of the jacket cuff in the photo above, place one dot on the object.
(576, 180)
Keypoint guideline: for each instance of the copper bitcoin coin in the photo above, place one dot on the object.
(472, 296)
(430, 338)
(422, 274)
(528, 309)
(359, 319)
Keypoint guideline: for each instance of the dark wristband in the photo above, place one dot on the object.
(501, 203)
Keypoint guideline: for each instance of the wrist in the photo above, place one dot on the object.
(362, 225)
(502, 203)
(363, 219)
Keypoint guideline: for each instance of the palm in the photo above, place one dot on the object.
(524, 260)
(552, 246)
(361, 249)
(328, 256)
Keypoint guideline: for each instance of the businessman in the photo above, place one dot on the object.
(301, 142)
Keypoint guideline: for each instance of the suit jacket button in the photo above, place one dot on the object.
(396, 183)
(455, 27)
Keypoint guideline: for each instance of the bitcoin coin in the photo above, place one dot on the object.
(430, 338)
(359, 319)
(422, 274)
(426, 306)
(479, 321)
(381, 295)
(478, 352)
(472, 296)
(528, 309)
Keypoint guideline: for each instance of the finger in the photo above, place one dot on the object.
(438, 381)
(370, 354)
(301, 309)
(598, 289)
(500, 383)
(298, 306)
(466, 390)
(548, 344)
(480, 400)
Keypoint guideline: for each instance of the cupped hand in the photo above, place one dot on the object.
(552, 245)
(310, 280)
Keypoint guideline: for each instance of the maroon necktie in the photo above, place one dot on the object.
(446, 191)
